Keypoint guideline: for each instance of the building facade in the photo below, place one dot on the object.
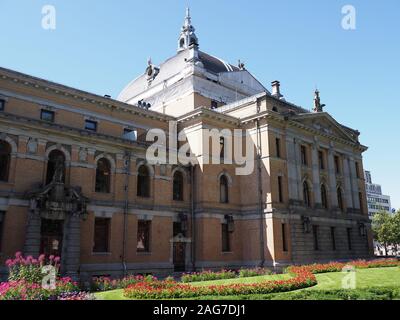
(76, 180)
(375, 199)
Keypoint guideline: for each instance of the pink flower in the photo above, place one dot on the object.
(51, 258)
(18, 254)
(57, 259)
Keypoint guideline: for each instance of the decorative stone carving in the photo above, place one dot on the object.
(83, 153)
(32, 145)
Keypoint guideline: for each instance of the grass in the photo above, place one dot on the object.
(368, 281)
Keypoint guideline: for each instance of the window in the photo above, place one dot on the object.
(340, 199)
(214, 104)
(349, 238)
(357, 170)
(56, 164)
(280, 194)
(226, 244)
(315, 236)
(143, 236)
(223, 189)
(130, 134)
(47, 115)
(321, 160)
(275, 109)
(91, 125)
(306, 194)
(360, 198)
(2, 216)
(2, 104)
(5, 159)
(103, 176)
(324, 197)
(333, 238)
(337, 164)
(101, 234)
(303, 152)
(143, 182)
(178, 186)
(278, 147)
(284, 240)
(222, 147)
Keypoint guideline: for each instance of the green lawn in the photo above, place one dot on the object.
(366, 279)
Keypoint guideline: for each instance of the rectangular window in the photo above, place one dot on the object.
(222, 147)
(278, 147)
(2, 216)
(315, 236)
(349, 238)
(303, 152)
(333, 238)
(143, 236)
(280, 194)
(2, 104)
(321, 160)
(337, 165)
(360, 198)
(91, 125)
(101, 234)
(284, 239)
(226, 244)
(357, 170)
(47, 115)
(130, 134)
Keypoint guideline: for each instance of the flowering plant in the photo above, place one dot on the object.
(107, 283)
(207, 275)
(29, 268)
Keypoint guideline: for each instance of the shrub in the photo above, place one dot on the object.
(107, 283)
(207, 276)
(244, 273)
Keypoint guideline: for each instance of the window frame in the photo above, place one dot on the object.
(225, 238)
(280, 189)
(224, 185)
(315, 237)
(107, 181)
(349, 240)
(93, 122)
(2, 219)
(48, 112)
(105, 238)
(278, 147)
(144, 226)
(333, 238)
(178, 196)
(2, 104)
(143, 183)
(284, 238)
(5, 161)
(303, 155)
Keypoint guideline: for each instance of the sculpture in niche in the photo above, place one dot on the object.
(83, 155)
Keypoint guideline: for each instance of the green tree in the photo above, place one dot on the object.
(386, 229)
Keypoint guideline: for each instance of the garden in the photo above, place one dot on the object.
(375, 279)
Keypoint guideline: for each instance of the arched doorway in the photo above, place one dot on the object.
(51, 237)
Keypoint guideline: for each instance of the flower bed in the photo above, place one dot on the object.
(25, 281)
(209, 275)
(107, 283)
(303, 277)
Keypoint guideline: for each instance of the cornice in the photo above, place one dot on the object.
(83, 96)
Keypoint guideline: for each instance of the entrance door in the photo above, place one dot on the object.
(51, 237)
(179, 256)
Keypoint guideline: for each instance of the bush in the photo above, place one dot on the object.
(107, 283)
(208, 276)
(245, 273)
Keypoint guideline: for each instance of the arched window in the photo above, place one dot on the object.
(103, 176)
(56, 164)
(306, 194)
(223, 189)
(324, 198)
(340, 199)
(178, 186)
(5, 156)
(143, 182)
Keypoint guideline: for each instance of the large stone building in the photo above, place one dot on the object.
(75, 180)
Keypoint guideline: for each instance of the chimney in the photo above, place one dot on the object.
(276, 89)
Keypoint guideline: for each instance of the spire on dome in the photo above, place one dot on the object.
(187, 37)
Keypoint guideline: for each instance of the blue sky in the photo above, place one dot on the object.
(100, 46)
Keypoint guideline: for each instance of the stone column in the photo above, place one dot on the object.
(332, 179)
(354, 183)
(348, 194)
(71, 246)
(33, 234)
(315, 175)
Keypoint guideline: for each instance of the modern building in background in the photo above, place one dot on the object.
(375, 199)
